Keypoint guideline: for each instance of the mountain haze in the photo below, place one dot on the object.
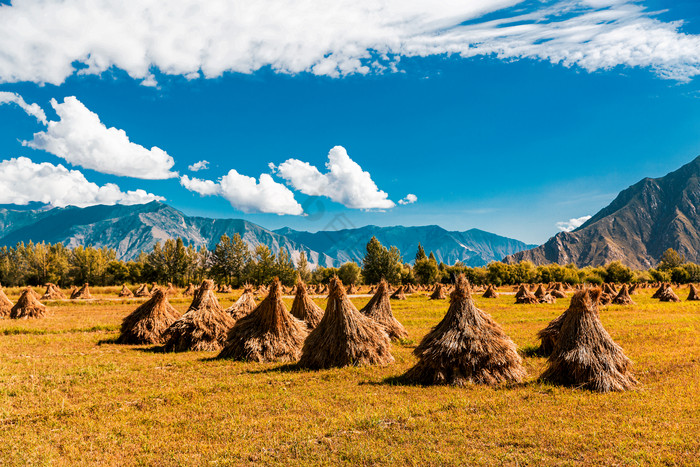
(132, 229)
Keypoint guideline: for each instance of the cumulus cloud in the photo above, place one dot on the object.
(82, 139)
(572, 224)
(23, 181)
(409, 199)
(197, 166)
(50, 41)
(345, 182)
(31, 109)
(247, 194)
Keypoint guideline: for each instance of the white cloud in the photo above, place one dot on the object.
(409, 199)
(23, 181)
(247, 194)
(82, 139)
(572, 224)
(197, 166)
(31, 109)
(49, 41)
(345, 182)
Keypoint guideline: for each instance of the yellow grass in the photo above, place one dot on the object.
(69, 396)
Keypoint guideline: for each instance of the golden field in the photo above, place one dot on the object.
(68, 395)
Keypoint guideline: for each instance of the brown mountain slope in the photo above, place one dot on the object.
(636, 228)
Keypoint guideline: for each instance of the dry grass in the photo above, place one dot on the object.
(66, 399)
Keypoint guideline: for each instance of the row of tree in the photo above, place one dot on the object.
(232, 262)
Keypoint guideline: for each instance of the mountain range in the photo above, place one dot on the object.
(636, 228)
(132, 229)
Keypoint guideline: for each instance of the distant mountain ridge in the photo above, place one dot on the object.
(643, 221)
(132, 229)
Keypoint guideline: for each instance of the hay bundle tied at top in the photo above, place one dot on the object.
(693, 293)
(147, 323)
(27, 306)
(438, 293)
(52, 293)
(268, 334)
(398, 295)
(125, 292)
(584, 355)
(623, 297)
(203, 327)
(82, 293)
(467, 346)
(345, 336)
(490, 292)
(379, 310)
(244, 305)
(668, 295)
(660, 290)
(142, 291)
(304, 308)
(524, 296)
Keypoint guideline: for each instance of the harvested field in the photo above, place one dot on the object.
(69, 395)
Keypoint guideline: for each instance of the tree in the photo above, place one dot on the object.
(670, 259)
(420, 255)
(263, 268)
(618, 272)
(380, 263)
(229, 259)
(303, 267)
(284, 268)
(425, 271)
(349, 273)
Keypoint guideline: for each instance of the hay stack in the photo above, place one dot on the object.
(438, 293)
(548, 336)
(623, 296)
(693, 294)
(304, 308)
(244, 305)
(668, 295)
(170, 291)
(490, 292)
(52, 293)
(27, 306)
(189, 291)
(467, 346)
(125, 292)
(147, 323)
(398, 295)
(633, 289)
(521, 291)
(203, 327)
(584, 355)
(540, 292)
(379, 310)
(82, 293)
(660, 290)
(5, 304)
(345, 336)
(142, 291)
(524, 296)
(352, 290)
(268, 334)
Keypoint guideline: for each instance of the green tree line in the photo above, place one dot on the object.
(233, 262)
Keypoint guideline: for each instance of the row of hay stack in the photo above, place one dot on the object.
(340, 336)
(467, 346)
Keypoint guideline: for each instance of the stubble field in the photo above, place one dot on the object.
(68, 395)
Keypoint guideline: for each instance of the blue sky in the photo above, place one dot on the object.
(511, 144)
